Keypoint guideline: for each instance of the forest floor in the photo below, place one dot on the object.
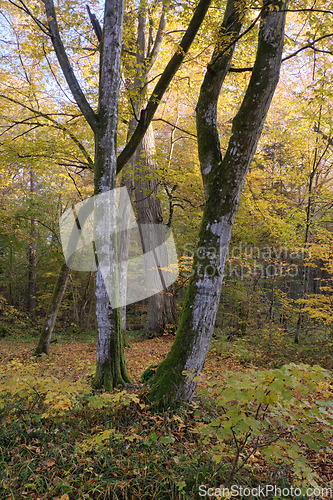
(76, 358)
(58, 440)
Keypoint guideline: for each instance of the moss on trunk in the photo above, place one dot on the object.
(174, 379)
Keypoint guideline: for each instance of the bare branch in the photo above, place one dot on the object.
(310, 45)
(26, 10)
(151, 58)
(174, 126)
(56, 125)
(95, 24)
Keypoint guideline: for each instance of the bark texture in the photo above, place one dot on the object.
(161, 307)
(145, 182)
(111, 371)
(110, 368)
(223, 180)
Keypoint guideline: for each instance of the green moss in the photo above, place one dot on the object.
(113, 372)
(167, 381)
(103, 377)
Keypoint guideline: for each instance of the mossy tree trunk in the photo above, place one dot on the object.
(223, 181)
(110, 368)
(110, 358)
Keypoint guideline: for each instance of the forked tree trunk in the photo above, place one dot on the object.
(110, 369)
(58, 293)
(223, 179)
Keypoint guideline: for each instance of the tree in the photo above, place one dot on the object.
(110, 370)
(223, 179)
(47, 331)
(149, 211)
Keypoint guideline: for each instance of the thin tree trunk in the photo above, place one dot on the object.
(174, 379)
(58, 293)
(309, 215)
(32, 259)
(10, 284)
(124, 242)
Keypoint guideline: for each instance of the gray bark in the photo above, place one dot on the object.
(223, 179)
(148, 206)
(140, 172)
(110, 369)
(161, 307)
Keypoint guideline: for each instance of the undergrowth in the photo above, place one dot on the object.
(61, 440)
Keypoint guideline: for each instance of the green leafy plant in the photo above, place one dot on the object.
(275, 413)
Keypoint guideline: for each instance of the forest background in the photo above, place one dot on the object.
(276, 303)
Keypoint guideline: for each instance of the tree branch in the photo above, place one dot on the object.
(26, 10)
(148, 113)
(66, 67)
(174, 126)
(95, 24)
(308, 46)
(56, 125)
(151, 58)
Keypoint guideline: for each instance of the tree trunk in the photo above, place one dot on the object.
(110, 368)
(223, 180)
(161, 309)
(32, 259)
(111, 371)
(58, 293)
(309, 216)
